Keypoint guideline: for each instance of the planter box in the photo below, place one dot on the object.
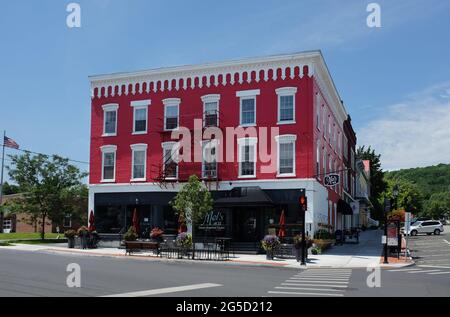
(324, 244)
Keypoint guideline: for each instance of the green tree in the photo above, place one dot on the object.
(49, 186)
(438, 205)
(193, 202)
(377, 183)
(9, 189)
(409, 196)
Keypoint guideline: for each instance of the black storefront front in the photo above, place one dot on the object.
(244, 214)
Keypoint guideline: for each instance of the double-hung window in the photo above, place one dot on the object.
(248, 106)
(140, 116)
(171, 113)
(318, 108)
(286, 105)
(110, 119)
(318, 159)
(211, 110)
(286, 155)
(139, 162)
(247, 157)
(108, 163)
(170, 159)
(209, 165)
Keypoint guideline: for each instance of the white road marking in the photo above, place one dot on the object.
(446, 241)
(167, 290)
(314, 280)
(404, 270)
(324, 278)
(439, 273)
(309, 289)
(429, 271)
(434, 266)
(314, 284)
(308, 294)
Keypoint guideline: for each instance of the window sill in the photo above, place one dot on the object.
(286, 175)
(247, 177)
(248, 125)
(170, 130)
(139, 133)
(106, 135)
(171, 178)
(107, 181)
(285, 122)
(137, 180)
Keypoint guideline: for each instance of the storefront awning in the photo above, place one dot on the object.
(344, 208)
(244, 196)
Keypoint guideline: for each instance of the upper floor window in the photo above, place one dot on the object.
(140, 116)
(324, 119)
(248, 106)
(345, 146)
(171, 114)
(170, 159)
(286, 155)
(139, 162)
(286, 105)
(318, 159)
(211, 110)
(110, 119)
(324, 165)
(108, 163)
(209, 165)
(330, 123)
(247, 157)
(318, 106)
(339, 140)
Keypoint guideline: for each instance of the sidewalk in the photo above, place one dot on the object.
(366, 253)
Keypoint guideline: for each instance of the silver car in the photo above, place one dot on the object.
(428, 227)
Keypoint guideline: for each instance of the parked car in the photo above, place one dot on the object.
(428, 227)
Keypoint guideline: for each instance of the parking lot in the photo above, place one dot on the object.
(432, 251)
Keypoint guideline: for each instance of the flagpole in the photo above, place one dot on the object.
(1, 180)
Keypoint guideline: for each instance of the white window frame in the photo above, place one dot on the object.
(172, 102)
(175, 152)
(286, 139)
(318, 111)
(214, 144)
(244, 95)
(286, 92)
(324, 159)
(318, 159)
(138, 148)
(107, 149)
(213, 98)
(140, 105)
(7, 224)
(244, 142)
(112, 107)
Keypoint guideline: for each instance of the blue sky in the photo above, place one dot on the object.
(395, 80)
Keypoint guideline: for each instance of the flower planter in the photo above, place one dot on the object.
(324, 244)
(269, 255)
(71, 243)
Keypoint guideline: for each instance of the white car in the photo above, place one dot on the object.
(428, 227)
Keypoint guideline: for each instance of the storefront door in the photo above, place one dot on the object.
(245, 225)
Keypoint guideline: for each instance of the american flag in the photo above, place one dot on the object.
(10, 143)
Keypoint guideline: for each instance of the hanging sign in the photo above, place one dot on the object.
(331, 180)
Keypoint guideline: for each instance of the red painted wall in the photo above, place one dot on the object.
(192, 107)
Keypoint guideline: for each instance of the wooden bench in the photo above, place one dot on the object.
(137, 246)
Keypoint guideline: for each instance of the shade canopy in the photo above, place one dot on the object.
(245, 196)
(344, 208)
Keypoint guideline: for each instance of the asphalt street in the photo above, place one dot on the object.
(25, 273)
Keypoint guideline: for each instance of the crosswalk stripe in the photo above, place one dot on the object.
(429, 271)
(308, 294)
(317, 285)
(312, 281)
(439, 273)
(318, 278)
(309, 289)
(404, 270)
(321, 275)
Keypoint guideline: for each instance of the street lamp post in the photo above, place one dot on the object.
(395, 193)
(386, 209)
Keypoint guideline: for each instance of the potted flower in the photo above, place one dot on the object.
(184, 240)
(130, 235)
(298, 246)
(316, 250)
(93, 240)
(157, 234)
(269, 244)
(323, 239)
(70, 235)
(83, 234)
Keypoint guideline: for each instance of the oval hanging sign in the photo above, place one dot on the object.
(331, 180)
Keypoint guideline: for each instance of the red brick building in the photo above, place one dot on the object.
(290, 131)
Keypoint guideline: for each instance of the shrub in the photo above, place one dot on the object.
(70, 234)
(131, 235)
(156, 233)
(82, 230)
(270, 242)
(323, 235)
(298, 241)
(316, 250)
(184, 240)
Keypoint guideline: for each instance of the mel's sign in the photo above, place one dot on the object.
(331, 180)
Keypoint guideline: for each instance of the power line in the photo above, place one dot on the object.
(37, 153)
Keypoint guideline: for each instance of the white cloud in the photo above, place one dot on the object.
(414, 132)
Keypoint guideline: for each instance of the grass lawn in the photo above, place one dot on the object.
(28, 236)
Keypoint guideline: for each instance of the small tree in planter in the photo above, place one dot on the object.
(269, 244)
(83, 234)
(193, 202)
(70, 235)
(130, 235)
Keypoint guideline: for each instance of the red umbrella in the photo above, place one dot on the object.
(282, 232)
(91, 221)
(181, 224)
(136, 221)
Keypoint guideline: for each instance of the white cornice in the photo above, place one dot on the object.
(309, 64)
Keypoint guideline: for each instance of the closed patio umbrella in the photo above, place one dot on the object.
(135, 221)
(91, 221)
(282, 232)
